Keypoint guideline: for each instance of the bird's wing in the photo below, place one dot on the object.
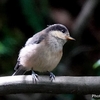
(36, 39)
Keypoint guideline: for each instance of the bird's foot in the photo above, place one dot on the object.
(35, 77)
(52, 76)
(96, 96)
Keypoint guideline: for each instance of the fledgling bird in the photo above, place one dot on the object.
(43, 51)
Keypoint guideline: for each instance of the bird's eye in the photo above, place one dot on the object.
(63, 31)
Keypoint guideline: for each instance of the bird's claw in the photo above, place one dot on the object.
(35, 77)
(52, 76)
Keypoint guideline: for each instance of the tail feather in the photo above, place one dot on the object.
(19, 72)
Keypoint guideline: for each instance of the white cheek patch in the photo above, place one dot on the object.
(58, 34)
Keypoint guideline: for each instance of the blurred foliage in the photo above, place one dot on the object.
(96, 64)
(96, 67)
(32, 15)
(20, 19)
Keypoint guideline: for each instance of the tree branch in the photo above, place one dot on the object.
(62, 84)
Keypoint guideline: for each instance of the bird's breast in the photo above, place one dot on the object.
(40, 57)
(51, 55)
(53, 59)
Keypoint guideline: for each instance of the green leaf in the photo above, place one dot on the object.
(97, 64)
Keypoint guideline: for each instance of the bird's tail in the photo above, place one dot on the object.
(19, 72)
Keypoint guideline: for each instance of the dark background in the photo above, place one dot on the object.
(20, 19)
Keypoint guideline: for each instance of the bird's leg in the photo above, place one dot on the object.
(35, 77)
(52, 76)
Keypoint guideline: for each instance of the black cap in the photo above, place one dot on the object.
(57, 27)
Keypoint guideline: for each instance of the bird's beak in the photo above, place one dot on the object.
(69, 38)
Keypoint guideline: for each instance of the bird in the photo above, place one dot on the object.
(43, 51)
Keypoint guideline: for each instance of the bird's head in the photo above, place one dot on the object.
(59, 31)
